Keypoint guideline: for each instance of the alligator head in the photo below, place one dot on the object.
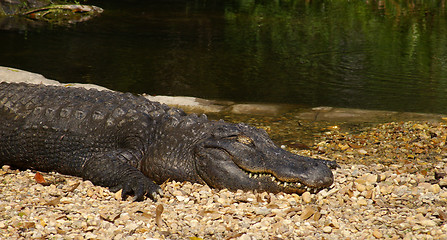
(238, 156)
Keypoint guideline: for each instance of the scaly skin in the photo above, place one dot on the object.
(123, 141)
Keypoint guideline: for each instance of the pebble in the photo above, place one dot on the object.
(90, 235)
(377, 234)
(435, 188)
(327, 229)
(306, 197)
(361, 187)
(362, 202)
(362, 152)
(428, 223)
(368, 200)
(443, 182)
(263, 211)
(307, 212)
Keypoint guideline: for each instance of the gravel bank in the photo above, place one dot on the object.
(391, 184)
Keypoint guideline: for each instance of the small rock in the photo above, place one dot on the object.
(334, 223)
(368, 194)
(37, 235)
(443, 196)
(306, 197)
(443, 182)
(361, 187)
(119, 236)
(371, 178)
(317, 216)
(327, 229)
(385, 190)
(124, 216)
(90, 235)
(377, 234)
(245, 237)
(362, 152)
(91, 192)
(362, 202)
(118, 195)
(424, 185)
(131, 226)
(66, 200)
(180, 198)
(263, 211)
(307, 212)
(442, 215)
(326, 193)
(343, 147)
(435, 188)
(427, 223)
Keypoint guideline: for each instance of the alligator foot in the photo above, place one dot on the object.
(138, 187)
(107, 170)
(330, 164)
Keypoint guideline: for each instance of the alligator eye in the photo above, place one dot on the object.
(244, 139)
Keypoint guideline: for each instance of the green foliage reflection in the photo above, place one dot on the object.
(359, 44)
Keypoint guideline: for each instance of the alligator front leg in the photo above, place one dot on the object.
(109, 171)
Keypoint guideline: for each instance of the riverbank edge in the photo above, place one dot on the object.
(200, 105)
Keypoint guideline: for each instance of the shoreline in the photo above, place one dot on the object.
(200, 105)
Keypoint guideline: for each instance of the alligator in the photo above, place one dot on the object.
(124, 141)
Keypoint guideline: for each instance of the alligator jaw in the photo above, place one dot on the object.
(297, 175)
(289, 187)
(244, 157)
(218, 169)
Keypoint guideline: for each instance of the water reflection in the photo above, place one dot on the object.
(360, 54)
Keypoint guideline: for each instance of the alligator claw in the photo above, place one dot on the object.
(139, 188)
(332, 164)
(329, 163)
(155, 196)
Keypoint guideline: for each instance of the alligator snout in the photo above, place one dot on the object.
(246, 158)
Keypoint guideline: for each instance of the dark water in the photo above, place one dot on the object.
(357, 54)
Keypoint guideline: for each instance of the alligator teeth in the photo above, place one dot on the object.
(283, 184)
